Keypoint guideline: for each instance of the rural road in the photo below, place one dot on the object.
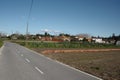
(20, 63)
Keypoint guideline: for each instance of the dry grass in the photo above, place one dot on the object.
(102, 64)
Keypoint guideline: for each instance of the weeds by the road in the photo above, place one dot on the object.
(1, 42)
(65, 45)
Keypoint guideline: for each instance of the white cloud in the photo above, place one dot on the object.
(51, 31)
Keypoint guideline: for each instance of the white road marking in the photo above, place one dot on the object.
(21, 54)
(39, 70)
(27, 60)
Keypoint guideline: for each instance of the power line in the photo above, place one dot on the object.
(30, 11)
(29, 16)
(28, 20)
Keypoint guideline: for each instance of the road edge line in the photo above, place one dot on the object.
(78, 70)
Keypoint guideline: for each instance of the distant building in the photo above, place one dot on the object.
(47, 38)
(98, 40)
(118, 43)
(79, 37)
(14, 38)
(57, 39)
(64, 38)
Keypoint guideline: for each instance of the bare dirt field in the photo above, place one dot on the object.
(104, 64)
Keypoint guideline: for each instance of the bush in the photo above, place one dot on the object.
(67, 45)
(1, 43)
(96, 68)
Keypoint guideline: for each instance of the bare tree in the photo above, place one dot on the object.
(85, 35)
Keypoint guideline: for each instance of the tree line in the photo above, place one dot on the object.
(19, 36)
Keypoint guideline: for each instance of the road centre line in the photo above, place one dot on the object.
(27, 60)
(38, 70)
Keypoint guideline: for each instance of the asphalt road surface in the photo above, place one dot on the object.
(20, 63)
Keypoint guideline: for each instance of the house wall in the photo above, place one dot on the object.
(98, 40)
(118, 43)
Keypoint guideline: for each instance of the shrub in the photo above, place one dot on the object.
(1, 43)
(67, 45)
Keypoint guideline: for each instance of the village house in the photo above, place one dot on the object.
(64, 38)
(82, 37)
(47, 38)
(98, 40)
(118, 43)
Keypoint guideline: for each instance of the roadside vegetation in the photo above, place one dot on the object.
(65, 45)
(1, 42)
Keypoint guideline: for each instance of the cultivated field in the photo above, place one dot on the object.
(104, 64)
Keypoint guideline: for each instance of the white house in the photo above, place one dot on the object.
(118, 43)
(79, 38)
(98, 40)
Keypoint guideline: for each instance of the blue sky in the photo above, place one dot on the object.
(95, 17)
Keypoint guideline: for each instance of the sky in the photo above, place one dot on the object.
(94, 17)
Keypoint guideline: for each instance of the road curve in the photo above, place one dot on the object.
(20, 63)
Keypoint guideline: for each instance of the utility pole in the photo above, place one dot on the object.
(28, 22)
(26, 34)
(27, 29)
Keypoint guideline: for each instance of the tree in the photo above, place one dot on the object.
(84, 35)
(85, 40)
(62, 34)
(47, 34)
(113, 36)
(3, 35)
(22, 37)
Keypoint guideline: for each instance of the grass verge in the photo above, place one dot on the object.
(1, 43)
